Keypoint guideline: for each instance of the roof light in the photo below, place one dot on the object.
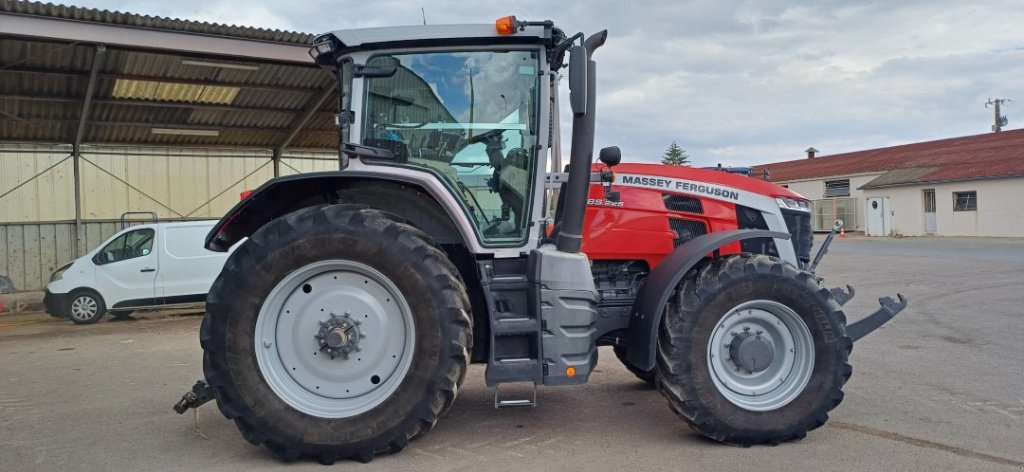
(506, 26)
(219, 65)
(185, 132)
(173, 92)
(321, 48)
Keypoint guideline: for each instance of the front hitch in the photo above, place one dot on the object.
(885, 312)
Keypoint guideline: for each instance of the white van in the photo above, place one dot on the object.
(145, 266)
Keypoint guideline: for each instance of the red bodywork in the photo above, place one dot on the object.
(639, 229)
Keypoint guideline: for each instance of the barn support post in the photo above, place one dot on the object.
(76, 149)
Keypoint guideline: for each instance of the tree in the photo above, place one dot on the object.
(676, 156)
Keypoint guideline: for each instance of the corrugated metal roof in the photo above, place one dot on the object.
(93, 15)
(984, 156)
(43, 83)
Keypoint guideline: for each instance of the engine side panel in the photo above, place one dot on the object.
(638, 226)
(659, 207)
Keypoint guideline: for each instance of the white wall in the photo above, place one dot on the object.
(814, 189)
(1000, 208)
(174, 182)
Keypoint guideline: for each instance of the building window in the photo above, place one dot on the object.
(837, 188)
(965, 201)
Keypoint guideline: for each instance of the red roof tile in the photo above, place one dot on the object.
(984, 156)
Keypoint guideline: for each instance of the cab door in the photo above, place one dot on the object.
(126, 269)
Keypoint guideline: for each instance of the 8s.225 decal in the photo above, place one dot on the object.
(603, 202)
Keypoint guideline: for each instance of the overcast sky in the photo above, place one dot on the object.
(734, 82)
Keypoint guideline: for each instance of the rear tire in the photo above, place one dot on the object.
(648, 376)
(733, 402)
(279, 406)
(85, 307)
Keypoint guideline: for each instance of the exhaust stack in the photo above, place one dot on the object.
(570, 236)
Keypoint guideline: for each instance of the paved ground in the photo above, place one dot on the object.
(940, 389)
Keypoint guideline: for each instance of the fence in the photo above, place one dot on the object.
(828, 210)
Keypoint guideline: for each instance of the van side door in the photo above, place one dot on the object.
(188, 269)
(126, 269)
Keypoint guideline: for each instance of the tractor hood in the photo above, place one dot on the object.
(725, 179)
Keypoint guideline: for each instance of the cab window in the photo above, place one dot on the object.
(471, 119)
(137, 243)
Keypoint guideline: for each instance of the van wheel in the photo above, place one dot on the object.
(85, 307)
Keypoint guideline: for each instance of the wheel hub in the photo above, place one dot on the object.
(339, 336)
(751, 352)
(760, 355)
(312, 352)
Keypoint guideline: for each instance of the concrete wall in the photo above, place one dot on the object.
(814, 189)
(37, 195)
(1000, 208)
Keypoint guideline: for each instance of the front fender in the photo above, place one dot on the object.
(407, 198)
(662, 281)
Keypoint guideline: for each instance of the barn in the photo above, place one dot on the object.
(106, 113)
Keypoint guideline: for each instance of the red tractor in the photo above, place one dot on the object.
(344, 323)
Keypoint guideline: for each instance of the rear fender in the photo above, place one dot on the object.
(662, 281)
(399, 195)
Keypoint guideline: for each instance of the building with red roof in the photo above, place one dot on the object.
(964, 186)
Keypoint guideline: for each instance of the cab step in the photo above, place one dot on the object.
(515, 402)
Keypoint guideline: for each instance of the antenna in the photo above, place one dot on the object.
(1000, 120)
(424, 12)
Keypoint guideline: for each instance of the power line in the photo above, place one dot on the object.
(1000, 120)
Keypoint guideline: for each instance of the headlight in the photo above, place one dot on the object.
(793, 204)
(57, 274)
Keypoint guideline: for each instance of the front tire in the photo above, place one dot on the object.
(753, 350)
(647, 376)
(288, 359)
(85, 307)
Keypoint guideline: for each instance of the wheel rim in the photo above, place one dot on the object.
(84, 308)
(334, 338)
(779, 336)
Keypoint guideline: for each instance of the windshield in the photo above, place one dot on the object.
(470, 117)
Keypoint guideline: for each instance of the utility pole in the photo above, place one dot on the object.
(1000, 120)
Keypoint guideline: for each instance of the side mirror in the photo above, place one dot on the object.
(578, 79)
(611, 156)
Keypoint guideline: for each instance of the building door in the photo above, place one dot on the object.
(929, 211)
(879, 217)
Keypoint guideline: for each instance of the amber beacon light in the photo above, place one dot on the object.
(506, 25)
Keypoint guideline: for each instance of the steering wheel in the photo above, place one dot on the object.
(488, 137)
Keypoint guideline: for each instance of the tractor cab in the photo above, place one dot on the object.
(468, 105)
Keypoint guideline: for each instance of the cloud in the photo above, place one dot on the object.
(735, 81)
